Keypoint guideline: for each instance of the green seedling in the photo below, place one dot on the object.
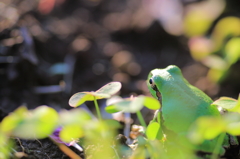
(71, 127)
(229, 104)
(133, 105)
(72, 123)
(38, 123)
(100, 136)
(104, 92)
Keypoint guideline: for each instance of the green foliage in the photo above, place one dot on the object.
(71, 132)
(5, 146)
(100, 137)
(154, 131)
(220, 50)
(132, 104)
(73, 123)
(97, 136)
(233, 123)
(37, 123)
(233, 50)
(74, 116)
(207, 128)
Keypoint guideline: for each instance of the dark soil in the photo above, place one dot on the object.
(43, 148)
(78, 35)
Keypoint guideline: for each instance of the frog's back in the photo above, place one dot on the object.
(179, 113)
(182, 103)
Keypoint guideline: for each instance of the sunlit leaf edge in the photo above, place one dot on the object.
(110, 88)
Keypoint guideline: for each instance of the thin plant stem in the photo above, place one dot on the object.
(218, 146)
(159, 117)
(97, 109)
(115, 152)
(141, 120)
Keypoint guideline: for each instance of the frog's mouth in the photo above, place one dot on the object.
(158, 94)
(154, 87)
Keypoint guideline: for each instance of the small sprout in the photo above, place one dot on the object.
(228, 103)
(81, 97)
(104, 92)
(72, 123)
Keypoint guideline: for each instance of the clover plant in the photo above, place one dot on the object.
(104, 92)
(134, 105)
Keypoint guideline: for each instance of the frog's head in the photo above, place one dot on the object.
(158, 78)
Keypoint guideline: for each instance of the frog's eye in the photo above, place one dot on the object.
(154, 87)
(152, 84)
(150, 81)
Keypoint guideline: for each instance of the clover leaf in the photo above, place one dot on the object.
(104, 92)
(133, 104)
(38, 123)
